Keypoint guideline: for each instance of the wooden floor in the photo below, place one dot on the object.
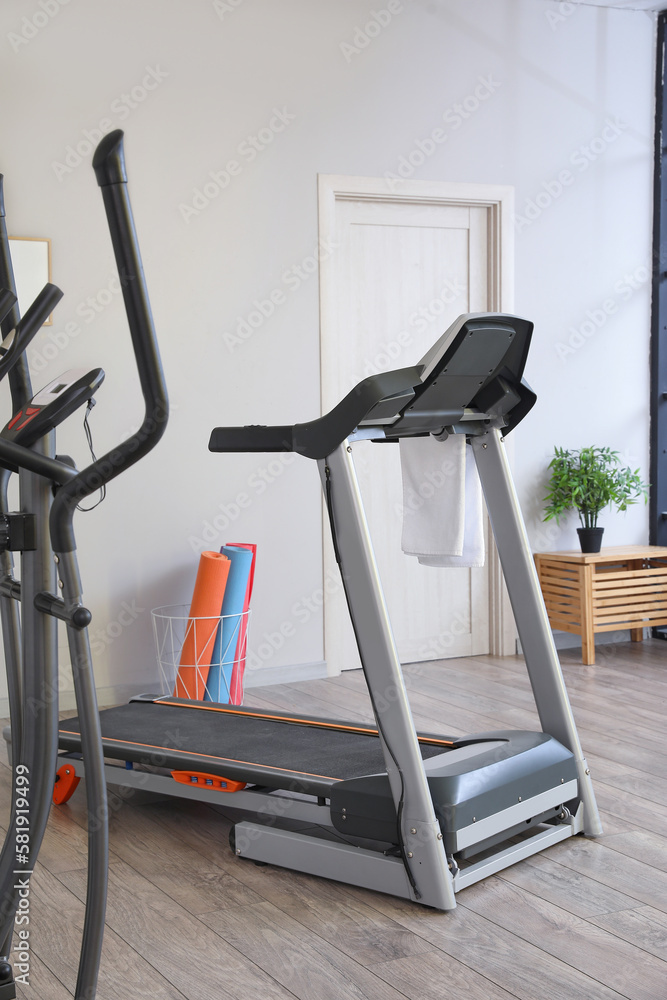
(586, 919)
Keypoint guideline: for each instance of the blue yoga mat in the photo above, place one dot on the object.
(219, 680)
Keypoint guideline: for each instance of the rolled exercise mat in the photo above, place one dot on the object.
(230, 639)
(236, 696)
(202, 626)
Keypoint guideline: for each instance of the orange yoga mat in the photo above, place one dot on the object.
(202, 626)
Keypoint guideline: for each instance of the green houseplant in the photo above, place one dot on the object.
(588, 480)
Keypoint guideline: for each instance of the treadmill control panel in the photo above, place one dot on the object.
(52, 405)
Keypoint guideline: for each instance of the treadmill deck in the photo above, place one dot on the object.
(277, 750)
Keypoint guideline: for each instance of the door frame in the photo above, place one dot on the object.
(498, 200)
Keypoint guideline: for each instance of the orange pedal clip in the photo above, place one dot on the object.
(204, 780)
(65, 786)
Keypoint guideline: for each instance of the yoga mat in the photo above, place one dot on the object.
(230, 638)
(239, 660)
(202, 626)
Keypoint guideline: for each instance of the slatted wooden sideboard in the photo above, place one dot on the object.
(618, 588)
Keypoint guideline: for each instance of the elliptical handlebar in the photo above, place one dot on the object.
(15, 456)
(7, 302)
(30, 325)
(109, 166)
(19, 378)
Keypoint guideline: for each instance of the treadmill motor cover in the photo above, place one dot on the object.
(480, 776)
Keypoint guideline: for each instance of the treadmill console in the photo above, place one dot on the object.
(52, 405)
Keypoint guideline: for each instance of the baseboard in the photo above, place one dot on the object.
(264, 676)
(118, 695)
(106, 697)
(567, 640)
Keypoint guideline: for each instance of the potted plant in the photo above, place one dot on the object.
(588, 480)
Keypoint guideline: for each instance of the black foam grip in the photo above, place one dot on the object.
(252, 438)
(109, 160)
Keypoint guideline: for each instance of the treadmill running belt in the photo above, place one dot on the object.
(238, 744)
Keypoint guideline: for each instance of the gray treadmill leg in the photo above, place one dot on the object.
(424, 855)
(544, 670)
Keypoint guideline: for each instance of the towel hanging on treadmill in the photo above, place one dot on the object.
(443, 521)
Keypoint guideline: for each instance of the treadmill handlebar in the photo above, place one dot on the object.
(109, 166)
(254, 437)
(476, 364)
(383, 395)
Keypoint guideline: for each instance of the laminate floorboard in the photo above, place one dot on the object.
(186, 918)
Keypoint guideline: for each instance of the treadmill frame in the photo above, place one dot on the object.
(430, 879)
(421, 871)
(423, 867)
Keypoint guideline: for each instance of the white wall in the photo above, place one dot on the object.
(350, 104)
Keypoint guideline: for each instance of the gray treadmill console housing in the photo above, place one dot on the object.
(478, 363)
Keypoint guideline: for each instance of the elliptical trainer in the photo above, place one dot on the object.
(42, 532)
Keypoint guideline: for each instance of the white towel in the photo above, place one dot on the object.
(442, 502)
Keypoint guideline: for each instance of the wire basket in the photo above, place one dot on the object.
(202, 659)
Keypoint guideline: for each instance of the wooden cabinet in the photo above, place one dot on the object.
(621, 587)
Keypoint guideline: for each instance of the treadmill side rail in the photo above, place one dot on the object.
(420, 836)
(530, 614)
(545, 837)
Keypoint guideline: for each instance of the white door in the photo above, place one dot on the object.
(399, 269)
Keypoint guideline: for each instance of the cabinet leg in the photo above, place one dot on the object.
(587, 632)
(588, 647)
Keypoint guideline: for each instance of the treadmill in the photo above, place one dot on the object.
(416, 815)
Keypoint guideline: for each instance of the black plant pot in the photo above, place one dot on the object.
(590, 539)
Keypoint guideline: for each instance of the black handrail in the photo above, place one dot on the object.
(14, 456)
(29, 325)
(109, 166)
(7, 303)
(19, 378)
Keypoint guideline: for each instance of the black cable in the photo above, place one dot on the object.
(89, 439)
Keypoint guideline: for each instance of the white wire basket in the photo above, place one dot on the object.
(202, 659)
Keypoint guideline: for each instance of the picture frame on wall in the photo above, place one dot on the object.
(31, 261)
